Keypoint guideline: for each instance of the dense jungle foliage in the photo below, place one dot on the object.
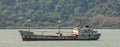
(46, 13)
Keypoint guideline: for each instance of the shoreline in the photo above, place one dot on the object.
(53, 28)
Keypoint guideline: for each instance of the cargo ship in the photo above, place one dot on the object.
(78, 33)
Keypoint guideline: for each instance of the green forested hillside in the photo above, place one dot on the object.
(45, 13)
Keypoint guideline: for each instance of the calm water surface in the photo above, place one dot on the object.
(12, 38)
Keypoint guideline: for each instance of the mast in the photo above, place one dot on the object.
(29, 21)
(59, 26)
(80, 26)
